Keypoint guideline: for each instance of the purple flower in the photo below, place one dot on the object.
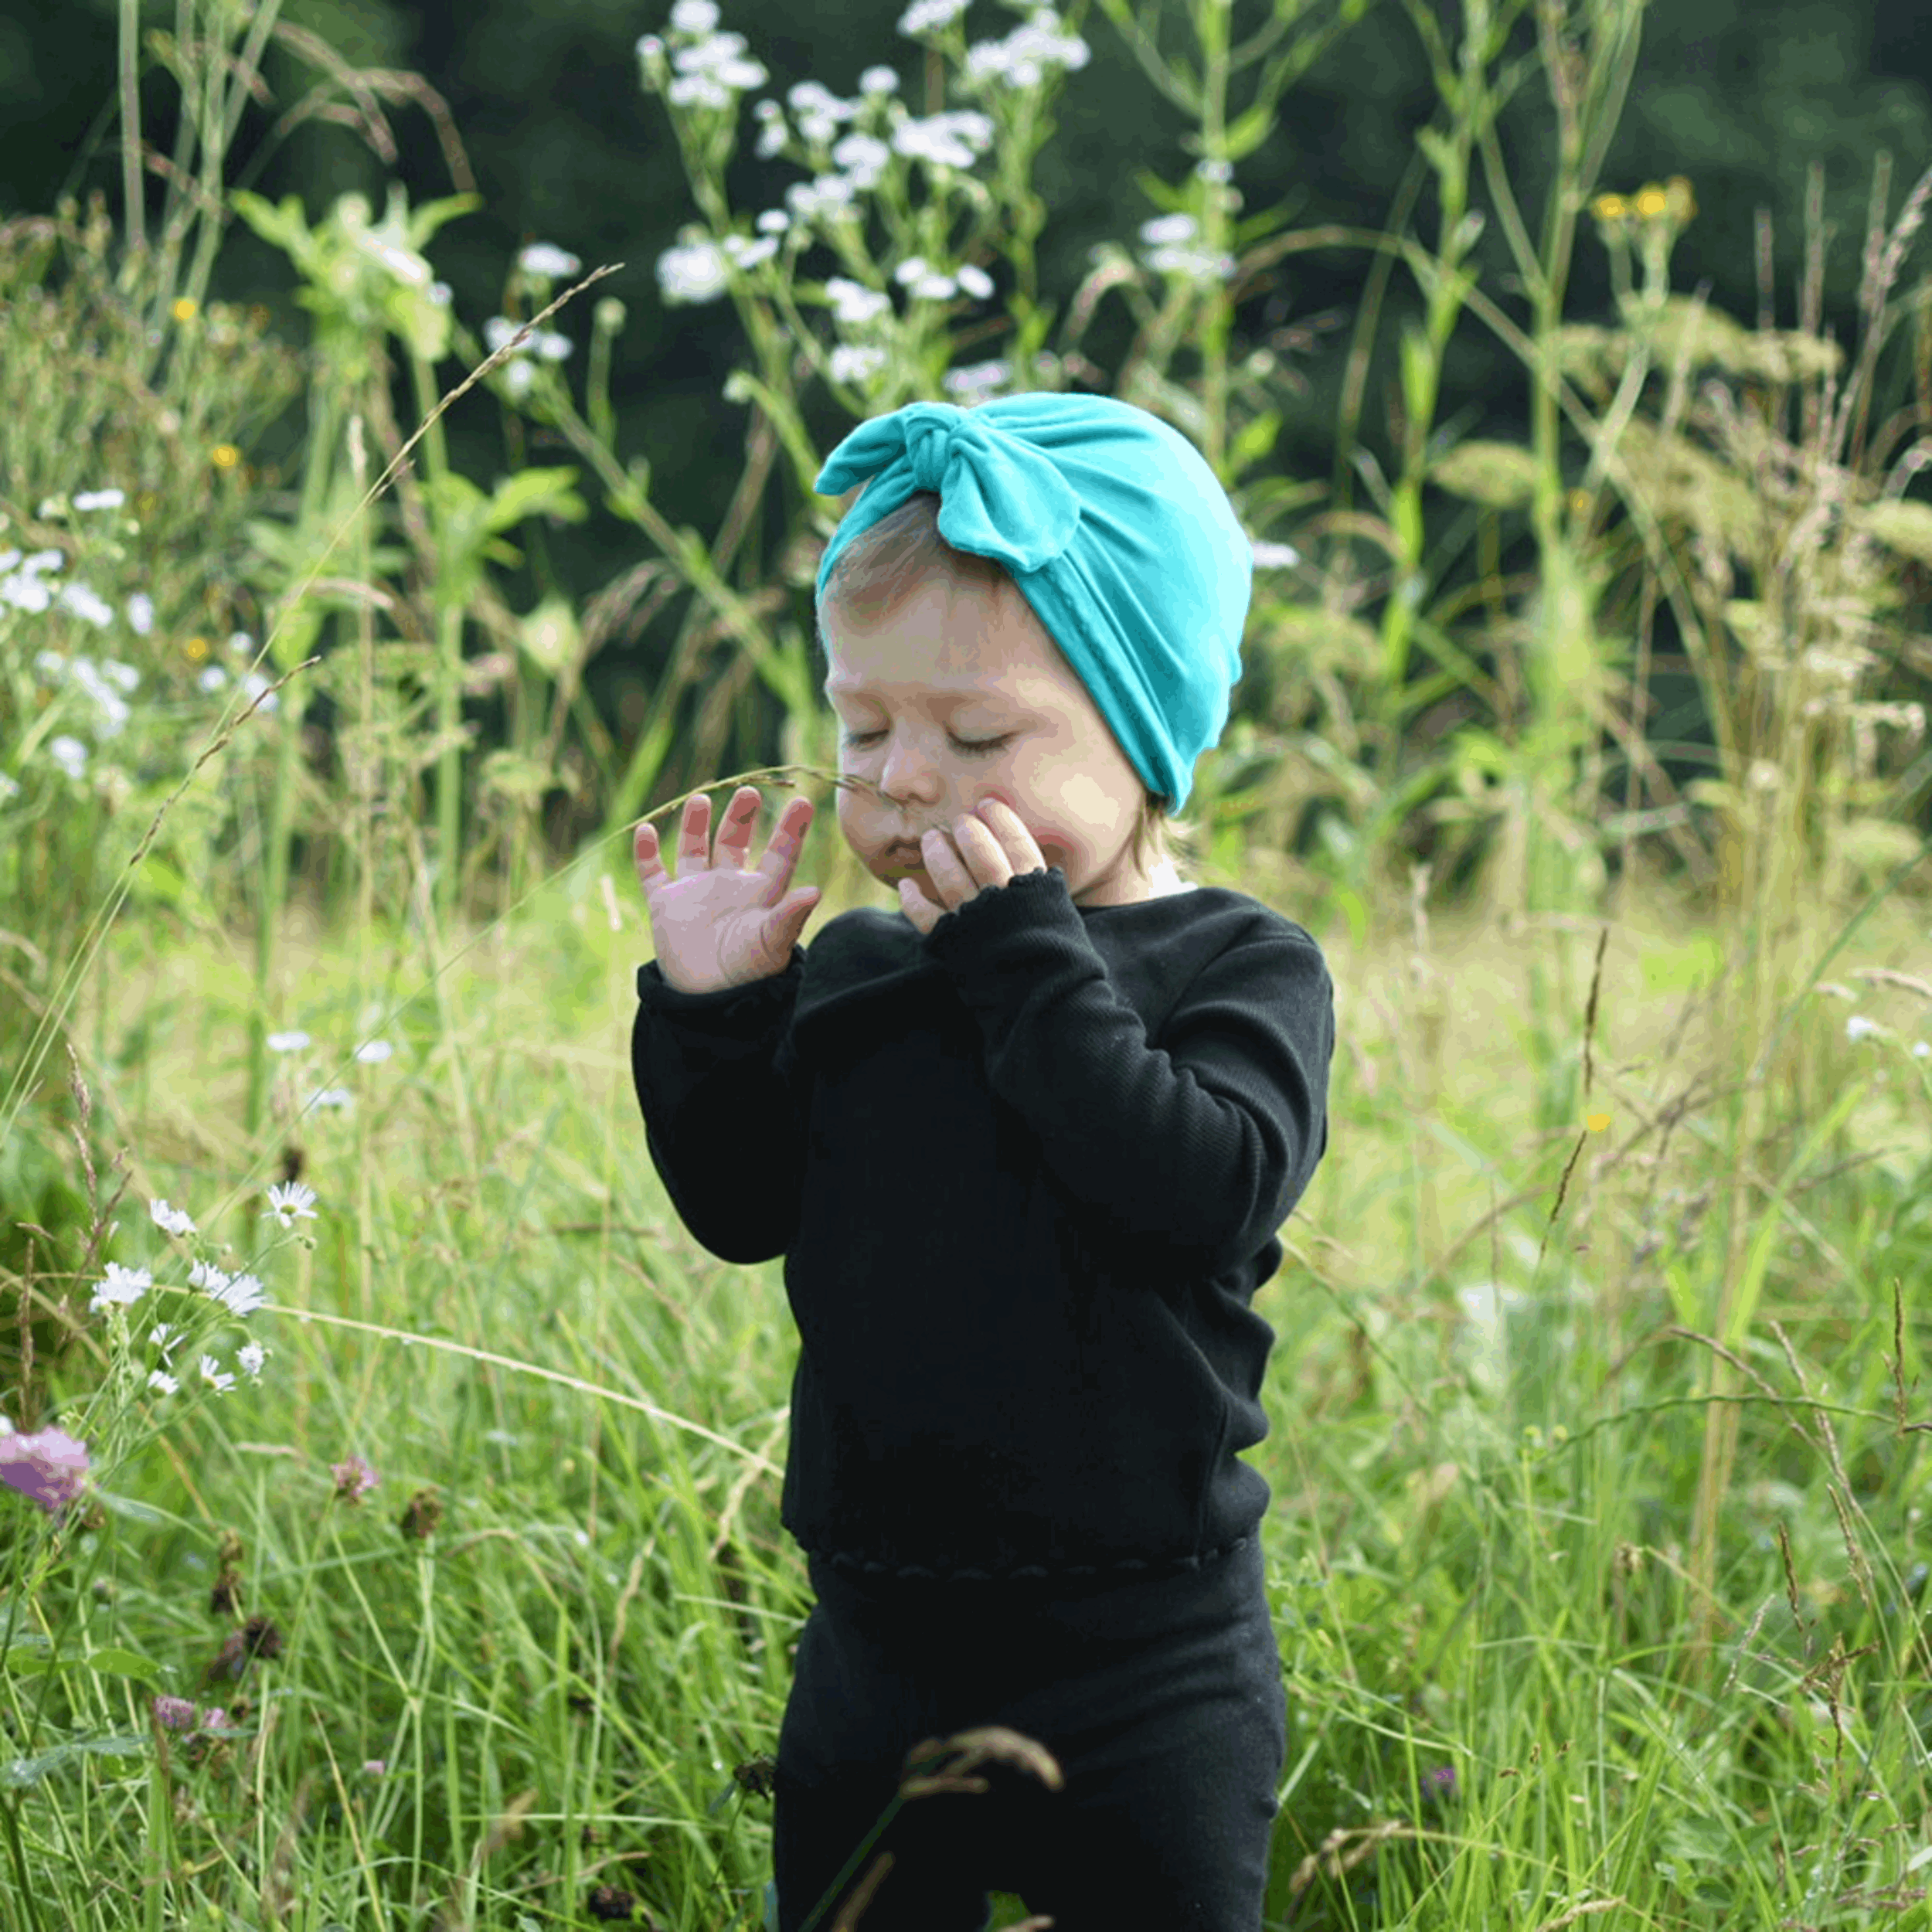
(50, 1466)
(1441, 1780)
(179, 1714)
(354, 1478)
(174, 1713)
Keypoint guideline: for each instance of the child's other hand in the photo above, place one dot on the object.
(723, 921)
(988, 848)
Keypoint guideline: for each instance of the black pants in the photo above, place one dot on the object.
(1161, 1699)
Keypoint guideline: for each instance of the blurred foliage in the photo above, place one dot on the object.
(565, 149)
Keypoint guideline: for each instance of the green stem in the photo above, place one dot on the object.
(134, 215)
(449, 695)
(18, 1853)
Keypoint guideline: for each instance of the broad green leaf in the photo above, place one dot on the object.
(17, 1772)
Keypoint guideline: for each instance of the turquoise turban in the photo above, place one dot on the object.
(1113, 528)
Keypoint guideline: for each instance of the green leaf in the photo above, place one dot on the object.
(535, 493)
(423, 222)
(17, 1772)
(21, 1661)
(550, 636)
(283, 223)
(1251, 130)
(1255, 441)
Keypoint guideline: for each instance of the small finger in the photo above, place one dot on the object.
(694, 826)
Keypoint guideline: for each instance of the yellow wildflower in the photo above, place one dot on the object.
(195, 650)
(184, 308)
(1609, 208)
(1652, 202)
(1579, 502)
(1683, 203)
(1596, 1122)
(224, 455)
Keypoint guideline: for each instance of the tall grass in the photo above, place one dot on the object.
(1596, 1550)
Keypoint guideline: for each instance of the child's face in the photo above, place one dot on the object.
(952, 669)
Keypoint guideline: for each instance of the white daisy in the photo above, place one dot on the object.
(173, 1219)
(250, 1355)
(242, 1296)
(205, 1274)
(163, 1384)
(292, 1042)
(290, 1200)
(215, 1375)
(123, 1288)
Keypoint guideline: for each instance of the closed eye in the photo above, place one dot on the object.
(853, 739)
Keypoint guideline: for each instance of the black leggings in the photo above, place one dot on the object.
(1161, 1699)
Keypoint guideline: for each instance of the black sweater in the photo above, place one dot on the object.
(1026, 1173)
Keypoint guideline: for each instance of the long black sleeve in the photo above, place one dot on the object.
(720, 1114)
(1027, 1172)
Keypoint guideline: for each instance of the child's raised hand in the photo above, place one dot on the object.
(723, 921)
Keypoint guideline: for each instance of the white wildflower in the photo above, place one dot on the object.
(925, 15)
(292, 1042)
(250, 1355)
(163, 1335)
(1920, 1048)
(85, 602)
(955, 139)
(160, 1381)
(140, 614)
(1859, 1027)
(879, 80)
(693, 272)
(99, 500)
(975, 381)
(25, 593)
(1167, 229)
(693, 16)
(216, 1377)
(256, 685)
(70, 754)
(289, 1200)
(212, 678)
(372, 1052)
(540, 258)
(1275, 556)
(337, 1097)
(174, 1220)
(8, 788)
(851, 364)
(853, 305)
(545, 344)
(122, 1288)
(242, 1296)
(205, 1274)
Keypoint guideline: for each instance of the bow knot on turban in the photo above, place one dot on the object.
(1114, 528)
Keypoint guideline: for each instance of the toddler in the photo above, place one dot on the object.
(1024, 1144)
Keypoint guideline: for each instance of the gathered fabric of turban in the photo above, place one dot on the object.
(1113, 527)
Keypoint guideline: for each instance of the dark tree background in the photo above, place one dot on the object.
(568, 148)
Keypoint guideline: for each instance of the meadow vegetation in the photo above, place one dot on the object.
(390, 1535)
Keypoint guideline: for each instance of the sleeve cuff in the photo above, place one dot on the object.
(730, 1006)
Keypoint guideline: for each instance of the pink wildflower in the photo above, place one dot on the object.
(50, 1467)
(354, 1478)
